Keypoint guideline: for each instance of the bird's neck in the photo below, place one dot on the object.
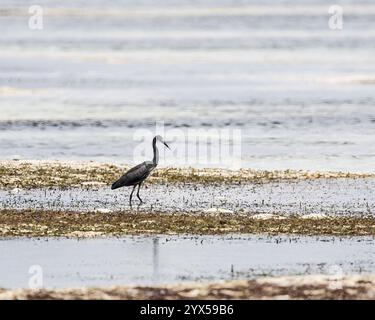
(156, 153)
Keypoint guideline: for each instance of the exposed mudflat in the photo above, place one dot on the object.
(296, 287)
(50, 199)
(86, 187)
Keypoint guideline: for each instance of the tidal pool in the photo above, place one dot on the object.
(147, 260)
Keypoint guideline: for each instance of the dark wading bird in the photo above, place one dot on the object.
(135, 176)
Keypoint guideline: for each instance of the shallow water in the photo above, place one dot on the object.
(164, 259)
(331, 196)
(302, 95)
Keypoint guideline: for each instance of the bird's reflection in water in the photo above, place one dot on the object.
(155, 258)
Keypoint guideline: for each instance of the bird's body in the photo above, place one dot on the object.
(136, 175)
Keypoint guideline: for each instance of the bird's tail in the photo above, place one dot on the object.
(116, 185)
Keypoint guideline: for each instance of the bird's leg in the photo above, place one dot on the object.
(131, 195)
(139, 186)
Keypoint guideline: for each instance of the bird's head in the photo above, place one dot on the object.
(159, 138)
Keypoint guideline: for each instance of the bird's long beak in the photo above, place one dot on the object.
(167, 145)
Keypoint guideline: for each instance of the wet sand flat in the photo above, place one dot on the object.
(298, 197)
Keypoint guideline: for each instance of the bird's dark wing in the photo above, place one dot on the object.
(134, 176)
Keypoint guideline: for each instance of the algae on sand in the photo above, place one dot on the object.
(38, 174)
(32, 223)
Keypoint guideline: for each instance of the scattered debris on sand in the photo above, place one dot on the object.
(292, 287)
